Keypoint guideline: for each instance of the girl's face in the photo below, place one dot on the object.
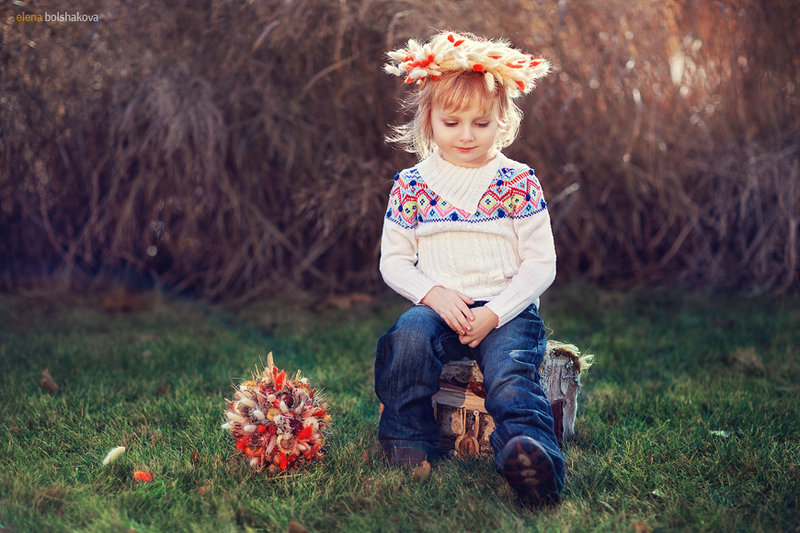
(465, 137)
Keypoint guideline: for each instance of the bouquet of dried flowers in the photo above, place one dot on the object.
(278, 422)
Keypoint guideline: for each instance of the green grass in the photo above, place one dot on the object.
(670, 369)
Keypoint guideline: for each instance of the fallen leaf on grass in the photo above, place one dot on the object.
(342, 301)
(47, 382)
(294, 527)
(659, 493)
(641, 527)
(419, 473)
(196, 457)
(361, 298)
(142, 476)
(162, 389)
(367, 458)
(13, 428)
(118, 300)
(113, 454)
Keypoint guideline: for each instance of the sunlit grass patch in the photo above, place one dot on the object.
(688, 420)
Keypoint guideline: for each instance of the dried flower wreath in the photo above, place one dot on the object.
(277, 422)
(501, 64)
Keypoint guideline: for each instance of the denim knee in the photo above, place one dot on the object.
(412, 336)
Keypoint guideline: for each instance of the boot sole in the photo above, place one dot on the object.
(529, 470)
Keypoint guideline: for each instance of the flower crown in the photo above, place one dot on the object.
(449, 51)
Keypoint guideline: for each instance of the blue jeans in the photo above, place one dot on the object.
(409, 361)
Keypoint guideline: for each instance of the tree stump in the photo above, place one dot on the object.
(459, 405)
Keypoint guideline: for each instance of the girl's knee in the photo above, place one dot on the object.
(415, 335)
(419, 322)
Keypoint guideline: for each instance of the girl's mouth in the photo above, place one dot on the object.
(464, 150)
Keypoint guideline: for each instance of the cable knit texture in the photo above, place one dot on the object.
(482, 231)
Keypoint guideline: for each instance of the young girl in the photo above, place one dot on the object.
(467, 238)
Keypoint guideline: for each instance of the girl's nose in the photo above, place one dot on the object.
(465, 133)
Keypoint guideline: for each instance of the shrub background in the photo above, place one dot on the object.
(230, 148)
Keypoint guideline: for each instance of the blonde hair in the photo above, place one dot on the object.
(454, 92)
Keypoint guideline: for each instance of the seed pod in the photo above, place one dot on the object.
(247, 402)
(233, 417)
(113, 454)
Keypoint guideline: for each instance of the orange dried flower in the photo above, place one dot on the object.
(142, 476)
(306, 433)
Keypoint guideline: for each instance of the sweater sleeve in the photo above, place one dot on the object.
(537, 254)
(398, 263)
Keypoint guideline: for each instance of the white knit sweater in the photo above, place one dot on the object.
(482, 231)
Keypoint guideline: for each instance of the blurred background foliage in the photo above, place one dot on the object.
(231, 148)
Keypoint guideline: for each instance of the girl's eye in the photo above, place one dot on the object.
(482, 124)
(449, 124)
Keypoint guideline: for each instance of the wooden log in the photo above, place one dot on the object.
(459, 405)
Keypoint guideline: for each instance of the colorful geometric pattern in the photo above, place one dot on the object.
(513, 194)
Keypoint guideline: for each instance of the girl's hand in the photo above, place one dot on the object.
(485, 321)
(452, 307)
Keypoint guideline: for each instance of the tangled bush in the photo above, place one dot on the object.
(233, 148)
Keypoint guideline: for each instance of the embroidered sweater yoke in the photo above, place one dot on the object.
(482, 231)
